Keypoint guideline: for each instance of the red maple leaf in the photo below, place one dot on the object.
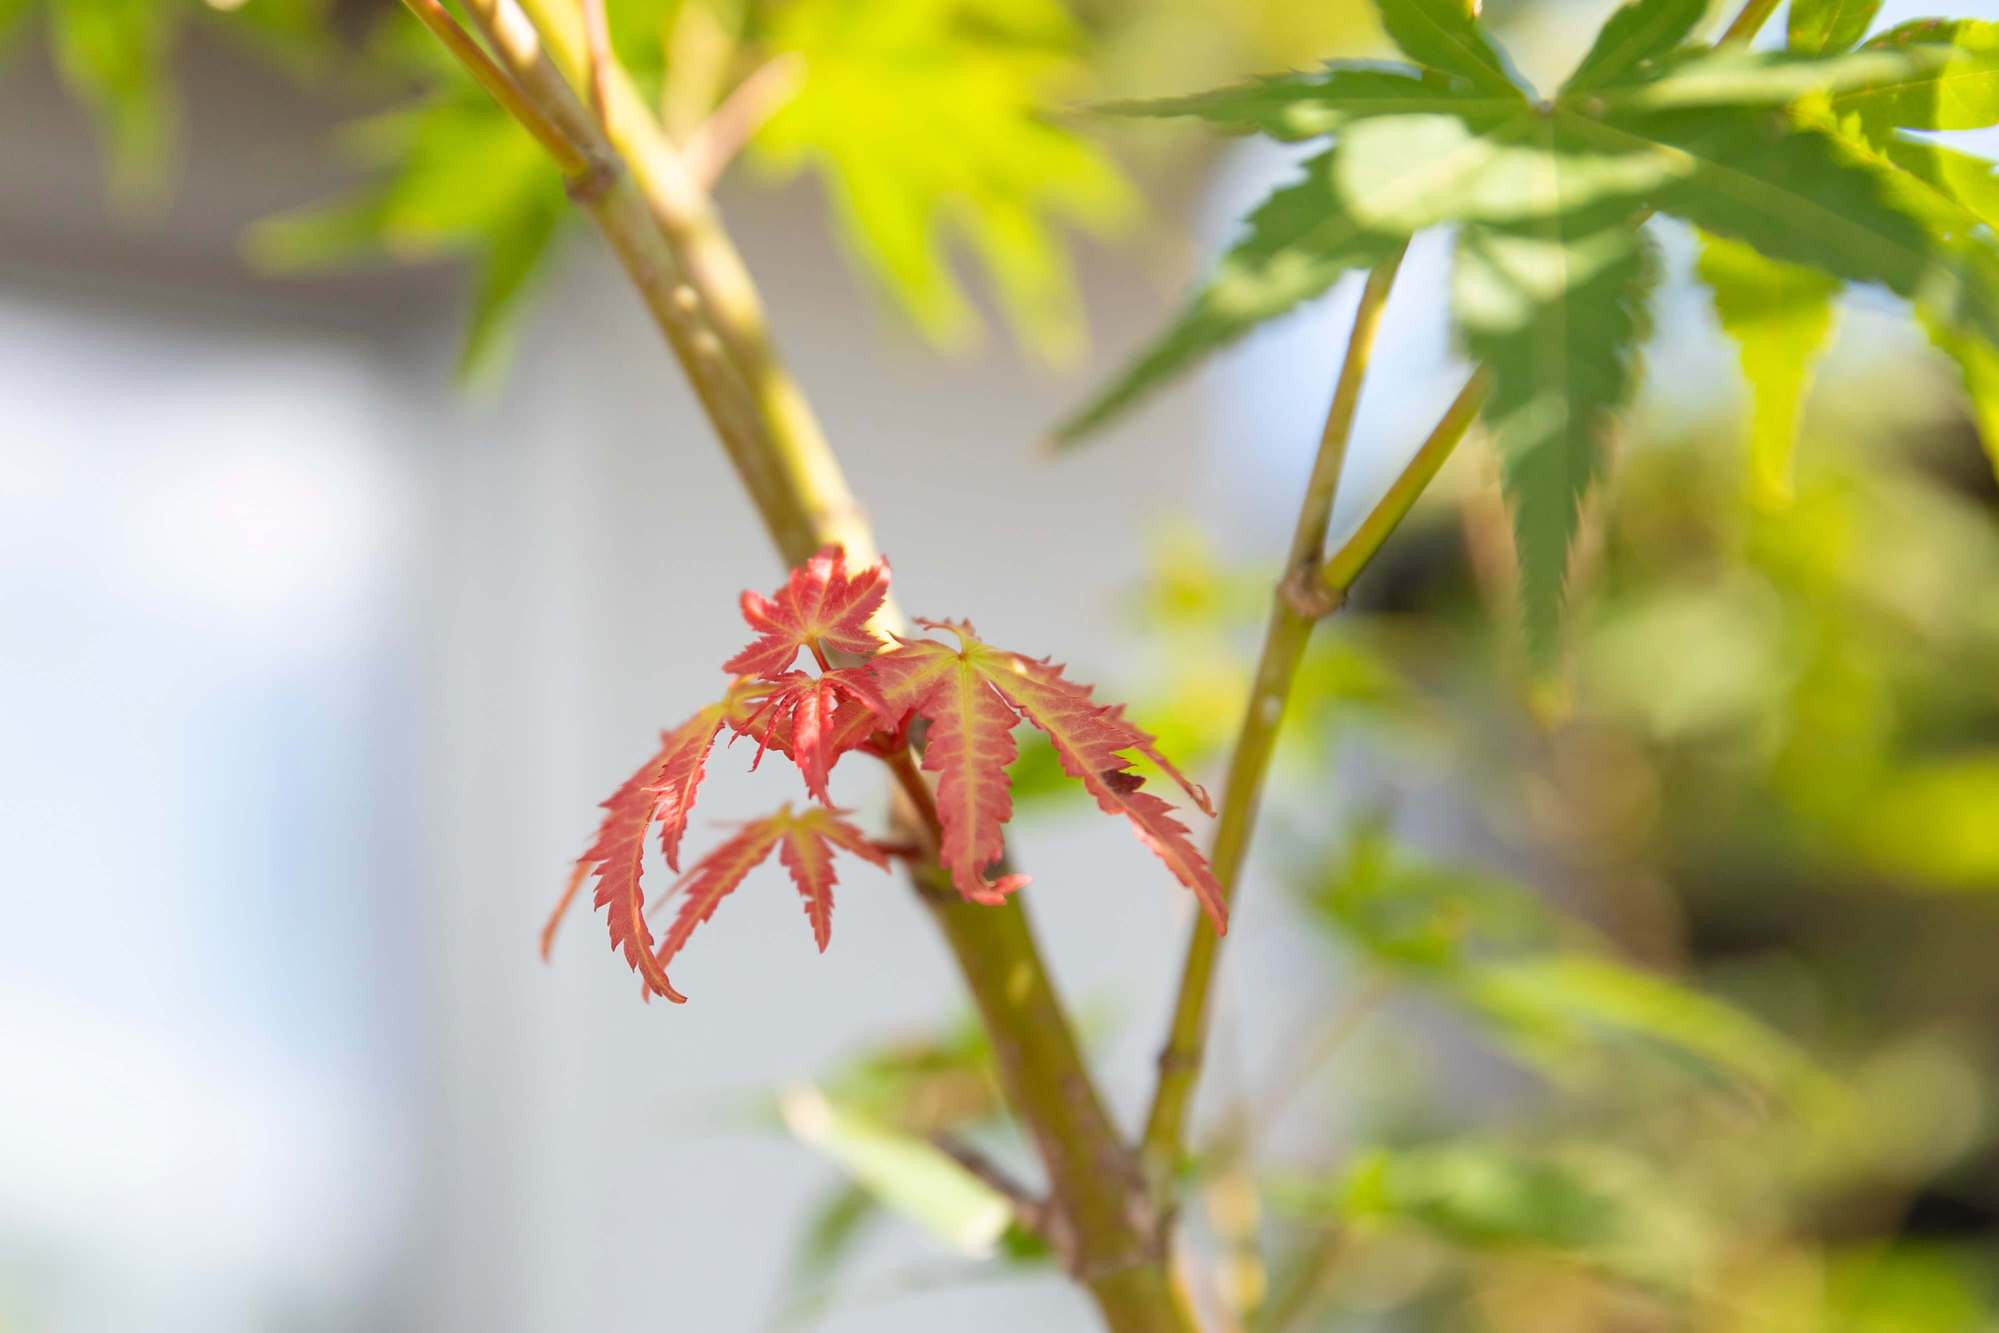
(972, 696)
(821, 606)
(813, 720)
(662, 790)
(805, 843)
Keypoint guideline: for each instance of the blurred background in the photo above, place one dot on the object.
(356, 535)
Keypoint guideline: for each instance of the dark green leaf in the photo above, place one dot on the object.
(1636, 33)
(1806, 199)
(1298, 244)
(1291, 107)
(1556, 316)
(1829, 25)
(1441, 35)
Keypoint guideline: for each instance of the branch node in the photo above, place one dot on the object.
(590, 185)
(1306, 594)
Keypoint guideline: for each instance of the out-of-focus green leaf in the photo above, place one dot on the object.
(1599, 1207)
(907, 1174)
(1737, 681)
(1482, 1195)
(113, 56)
(1978, 367)
(923, 1084)
(832, 1233)
(1441, 35)
(1803, 199)
(926, 118)
(1542, 983)
(13, 20)
(1907, 1289)
(1829, 25)
(1960, 93)
(1557, 1005)
(1937, 821)
(1419, 914)
(1293, 107)
(1637, 32)
(1557, 315)
(1732, 76)
(1780, 316)
(1296, 245)
(459, 178)
(513, 255)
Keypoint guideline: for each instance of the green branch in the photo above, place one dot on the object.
(1309, 590)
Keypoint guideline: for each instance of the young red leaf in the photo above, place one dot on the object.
(663, 789)
(969, 747)
(807, 852)
(1089, 738)
(820, 604)
(970, 696)
(805, 844)
(816, 718)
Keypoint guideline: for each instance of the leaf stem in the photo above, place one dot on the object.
(1249, 764)
(1754, 14)
(569, 158)
(1336, 576)
(597, 47)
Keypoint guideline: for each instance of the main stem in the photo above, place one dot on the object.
(672, 246)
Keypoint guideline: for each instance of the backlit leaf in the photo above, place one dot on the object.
(1637, 32)
(1829, 25)
(821, 605)
(972, 696)
(1441, 35)
(926, 117)
(1291, 107)
(1296, 245)
(1780, 316)
(1961, 91)
(662, 790)
(1557, 317)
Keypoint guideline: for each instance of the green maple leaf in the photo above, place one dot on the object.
(927, 120)
(1552, 282)
(1780, 316)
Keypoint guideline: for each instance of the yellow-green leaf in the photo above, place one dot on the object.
(1780, 316)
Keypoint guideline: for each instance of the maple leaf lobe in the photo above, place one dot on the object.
(822, 604)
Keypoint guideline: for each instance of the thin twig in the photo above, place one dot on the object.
(1256, 740)
(1308, 591)
(1755, 13)
(1029, 1209)
(716, 141)
(599, 59)
(569, 156)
